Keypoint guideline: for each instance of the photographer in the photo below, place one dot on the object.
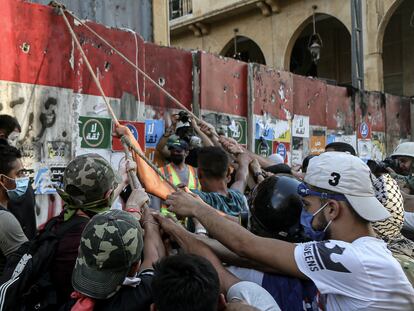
(187, 129)
(403, 174)
(403, 168)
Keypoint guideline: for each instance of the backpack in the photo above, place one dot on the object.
(26, 283)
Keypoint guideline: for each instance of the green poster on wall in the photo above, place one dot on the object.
(95, 132)
(263, 147)
(238, 130)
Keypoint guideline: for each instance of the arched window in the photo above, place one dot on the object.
(244, 49)
(398, 51)
(335, 57)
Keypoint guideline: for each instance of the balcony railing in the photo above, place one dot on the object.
(180, 8)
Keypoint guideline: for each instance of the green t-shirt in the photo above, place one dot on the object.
(232, 205)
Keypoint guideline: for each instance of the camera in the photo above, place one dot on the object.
(183, 128)
(183, 117)
(380, 167)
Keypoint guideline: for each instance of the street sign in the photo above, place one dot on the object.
(364, 130)
(95, 132)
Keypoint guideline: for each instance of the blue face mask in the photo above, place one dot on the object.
(306, 219)
(20, 190)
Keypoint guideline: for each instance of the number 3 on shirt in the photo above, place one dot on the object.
(335, 180)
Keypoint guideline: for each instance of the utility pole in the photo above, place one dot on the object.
(357, 45)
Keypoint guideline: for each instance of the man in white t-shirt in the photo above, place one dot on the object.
(348, 264)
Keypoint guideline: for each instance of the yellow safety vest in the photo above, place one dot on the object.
(172, 175)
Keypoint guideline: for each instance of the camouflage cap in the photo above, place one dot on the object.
(88, 177)
(111, 242)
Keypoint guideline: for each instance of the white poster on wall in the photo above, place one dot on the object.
(364, 149)
(297, 157)
(300, 126)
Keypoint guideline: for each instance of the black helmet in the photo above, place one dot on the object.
(275, 208)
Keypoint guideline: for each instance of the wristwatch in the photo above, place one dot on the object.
(257, 174)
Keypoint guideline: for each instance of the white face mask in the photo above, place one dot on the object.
(12, 139)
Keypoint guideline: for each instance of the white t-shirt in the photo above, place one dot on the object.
(252, 294)
(246, 274)
(362, 275)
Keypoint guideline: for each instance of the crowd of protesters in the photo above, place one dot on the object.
(243, 232)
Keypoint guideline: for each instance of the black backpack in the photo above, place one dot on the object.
(26, 283)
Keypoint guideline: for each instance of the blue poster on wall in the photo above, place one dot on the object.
(264, 131)
(330, 138)
(154, 129)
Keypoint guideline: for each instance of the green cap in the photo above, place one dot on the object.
(110, 244)
(177, 143)
(88, 177)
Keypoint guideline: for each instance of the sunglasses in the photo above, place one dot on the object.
(304, 191)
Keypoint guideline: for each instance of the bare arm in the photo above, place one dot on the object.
(205, 139)
(161, 146)
(227, 256)
(233, 147)
(262, 161)
(153, 246)
(278, 255)
(190, 244)
(210, 132)
(256, 174)
(242, 173)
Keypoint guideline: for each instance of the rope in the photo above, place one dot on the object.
(133, 178)
(88, 65)
(125, 140)
(133, 65)
(176, 101)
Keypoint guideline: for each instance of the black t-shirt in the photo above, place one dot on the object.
(128, 298)
(24, 211)
(65, 258)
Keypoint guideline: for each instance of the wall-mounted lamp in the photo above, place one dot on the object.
(315, 43)
(237, 54)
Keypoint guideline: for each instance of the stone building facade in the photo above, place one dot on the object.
(276, 33)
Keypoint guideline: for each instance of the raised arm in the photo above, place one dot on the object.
(191, 245)
(273, 253)
(242, 172)
(204, 138)
(154, 248)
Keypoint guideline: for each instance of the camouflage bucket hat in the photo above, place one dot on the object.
(111, 242)
(88, 177)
